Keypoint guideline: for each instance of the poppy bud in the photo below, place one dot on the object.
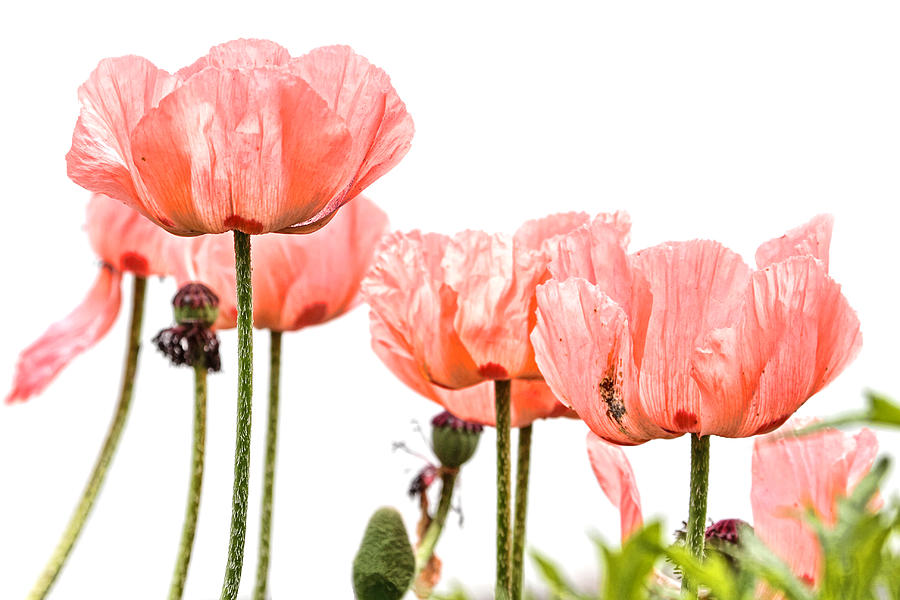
(385, 563)
(726, 531)
(453, 440)
(196, 308)
(195, 304)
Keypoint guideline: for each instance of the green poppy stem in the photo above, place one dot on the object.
(504, 555)
(176, 589)
(433, 533)
(523, 466)
(696, 525)
(244, 401)
(265, 528)
(101, 466)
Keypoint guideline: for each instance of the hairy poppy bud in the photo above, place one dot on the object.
(454, 441)
(385, 563)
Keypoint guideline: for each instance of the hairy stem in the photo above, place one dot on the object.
(696, 525)
(265, 528)
(433, 533)
(101, 466)
(501, 401)
(176, 589)
(244, 401)
(518, 548)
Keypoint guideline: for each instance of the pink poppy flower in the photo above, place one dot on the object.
(246, 138)
(298, 281)
(125, 242)
(685, 338)
(790, 475)
(461, 307)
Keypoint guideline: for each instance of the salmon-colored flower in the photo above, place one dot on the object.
(125, 242)
(685, 338)
(246, 138)
(462, 307)
(297, 280)
(790, 475)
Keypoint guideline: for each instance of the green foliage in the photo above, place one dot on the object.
(626, 572)
(385, 563)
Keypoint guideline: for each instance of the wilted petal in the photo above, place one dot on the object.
(583, 348)
(810, 239)
(795, 333)
(682, 291)
(117, 95)
(86, 325)
(254, 151)
(792, 474)
(616, 478)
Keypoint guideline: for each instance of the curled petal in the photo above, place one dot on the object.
(681, 291)
(792, 474)
(117, 95)
(796, 332)
(539, 234)
(249, 150)
(616, 478)
(810, 239)
(583, 348)
(239, 54)
(39, 364)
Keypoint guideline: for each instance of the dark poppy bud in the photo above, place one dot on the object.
(195, 303)
(453, 440)
(726, 531)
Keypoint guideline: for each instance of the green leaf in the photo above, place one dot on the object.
(627, 571)
(560, 587)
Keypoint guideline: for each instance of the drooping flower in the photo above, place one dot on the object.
(247, 138)
(685, 338)
(462, 307)
(298, 281)
(125, 242)
(790, 474)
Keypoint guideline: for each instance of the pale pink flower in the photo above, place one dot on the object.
(125, 242)
(462, 307)
(298, 281)
(685, 337)
(246, 138)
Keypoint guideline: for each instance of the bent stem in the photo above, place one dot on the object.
(176, 590)
(245, 395)
(523, 460)
(101, 466)
(433, 533)
(696, 525)
(265, 528)
(501, 402)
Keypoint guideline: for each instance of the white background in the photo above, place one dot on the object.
(701, 119)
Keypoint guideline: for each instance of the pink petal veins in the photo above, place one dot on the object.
(810, 239)
(42, 361)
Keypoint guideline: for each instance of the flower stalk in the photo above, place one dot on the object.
(433, 533)
(104, 459)
(696, 525)
(523, 466)
(502, 408)
(265, 528)
(244, 400)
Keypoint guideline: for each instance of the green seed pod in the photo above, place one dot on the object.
(384, 565)
(194, 303)
(453, 440)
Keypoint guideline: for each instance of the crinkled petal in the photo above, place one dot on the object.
(616, 478)
(795, 333)
(681, 291)
(539, 234)
(126, 240)
(40, 363)
(239, 54)
(405, 288)
(248, 150)
(583, 348)
(810, 239)
(115, 97)
(792, 474)
(363, 96)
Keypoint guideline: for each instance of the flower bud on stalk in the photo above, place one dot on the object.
(453, 440)
(196, 308)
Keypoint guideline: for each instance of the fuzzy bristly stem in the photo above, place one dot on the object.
(433, 533)
(244, 400)
(696, 525)
(501, 402)
(265, 528)
(101, 466)
(183, 560)
(523, 465)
